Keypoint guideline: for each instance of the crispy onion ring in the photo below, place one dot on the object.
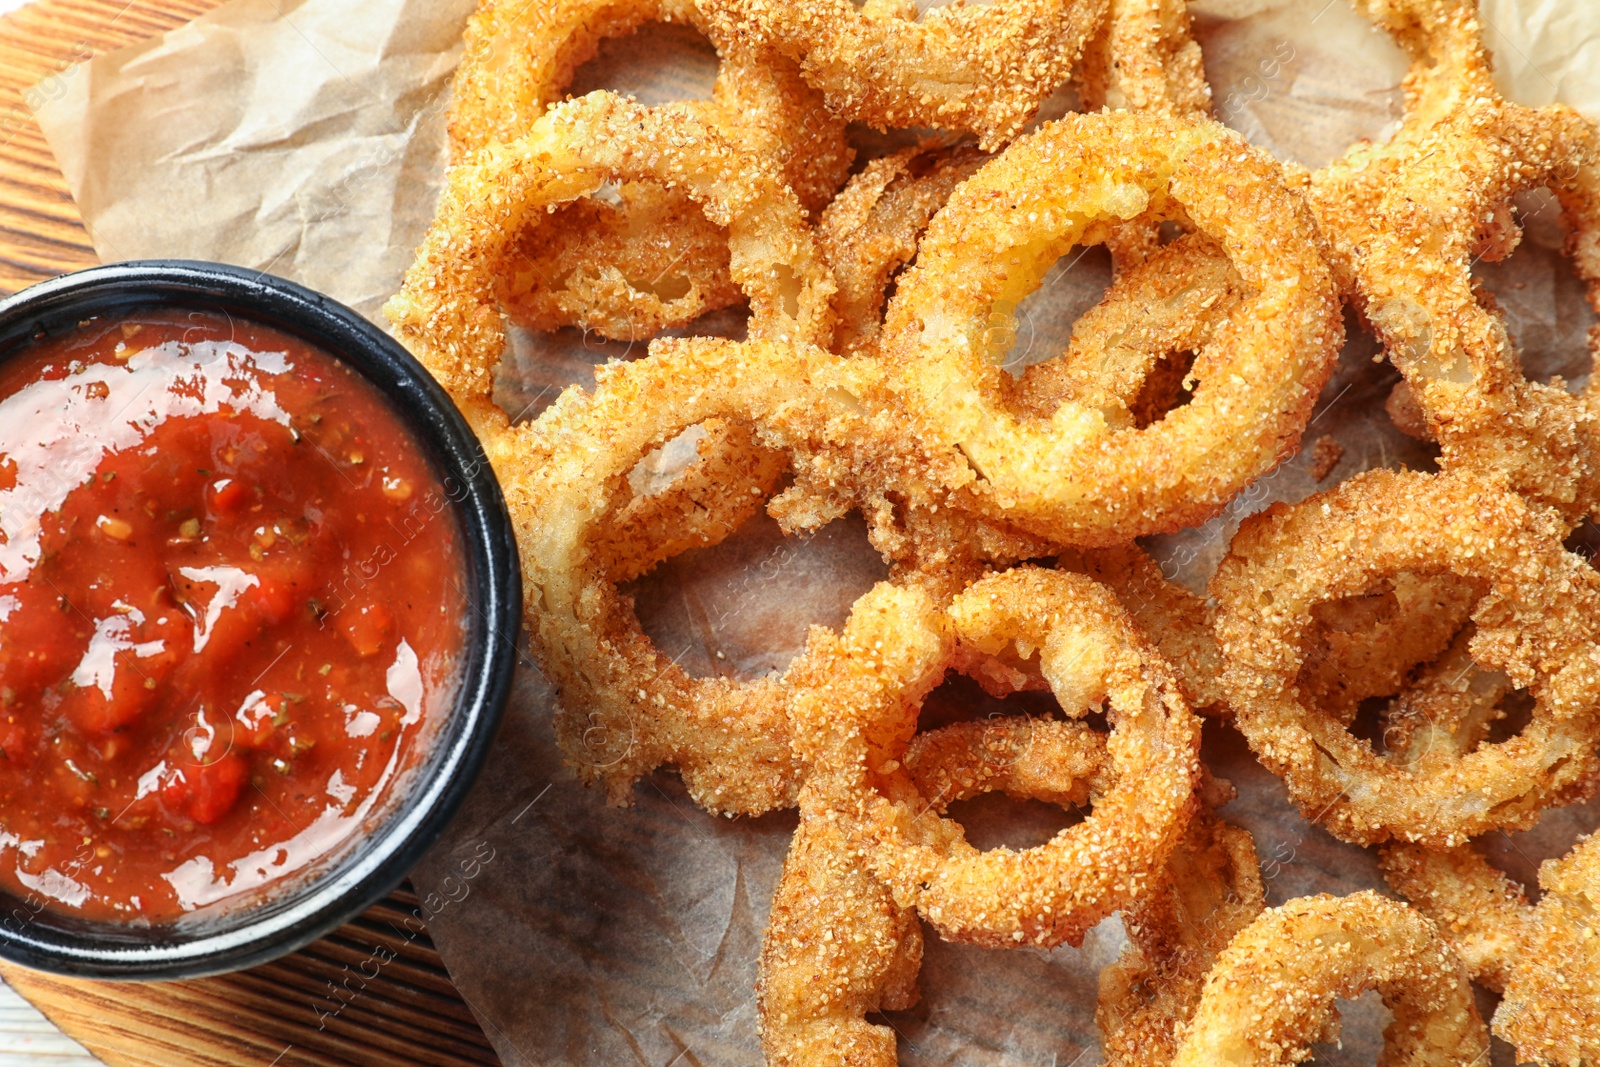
(872, 227)
(1408, 218)
(1551, 1010)
(984, 68)
(1146, 59)
(1211, 890)
(519, 59)
(1546, 958)
(855, 714)
(1539, 622)
(1072, 477)
(652, 261)
(1272, 991)
(837, 946)
(1482, 913)
(447, 314)
(625, 707)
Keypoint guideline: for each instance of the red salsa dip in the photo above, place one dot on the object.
(231, 607)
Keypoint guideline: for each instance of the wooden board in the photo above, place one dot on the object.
(281, 1014)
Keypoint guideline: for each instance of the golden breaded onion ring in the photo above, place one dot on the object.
(855, 718)
(980, 68)
(1482, 913)
(447, 313)
(872, 228)
(651, 260)
(1407, 219)
(1539, 622)
(1545, 957)
(1211, 889)
(1551, 1009)
(838, 946)
(1272, 991)
(1072, 477)
(1145, 59)
(625, 706)
(520, 57)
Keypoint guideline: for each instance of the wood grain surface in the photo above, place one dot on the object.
(291, 1012)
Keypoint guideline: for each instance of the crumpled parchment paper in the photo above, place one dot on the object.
(306, 139)
(300, 138)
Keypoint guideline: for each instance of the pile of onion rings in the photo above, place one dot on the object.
(877, 377)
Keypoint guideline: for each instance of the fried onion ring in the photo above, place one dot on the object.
(836, 947)
(872, 227)
(1546, 958)
(1539, 622)
(1551, 1010)
(1210, 892)
(1145, 60)
(1408, 218)
(855, 714)
(1272, 991)
(652, 261)
(447, 313)
(625, 707)
(984, 68)
(1482, 913)
(1073, 478)
(519, 59)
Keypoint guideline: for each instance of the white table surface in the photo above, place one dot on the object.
(28, 1039)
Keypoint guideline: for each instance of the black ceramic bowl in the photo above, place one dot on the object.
(306, 908)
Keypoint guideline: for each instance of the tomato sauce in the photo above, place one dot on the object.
(231, 606)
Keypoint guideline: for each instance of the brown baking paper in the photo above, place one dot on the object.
(308, 142)
(300, 138)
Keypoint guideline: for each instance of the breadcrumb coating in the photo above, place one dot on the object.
(1538, 622)
(1211, 890)
(856, 733)
(1272, 991)
(1406, 220)
(1072, 477)
(980, 68)
(1545, 958)
(618, 268)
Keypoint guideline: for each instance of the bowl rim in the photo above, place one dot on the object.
(441, 781)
